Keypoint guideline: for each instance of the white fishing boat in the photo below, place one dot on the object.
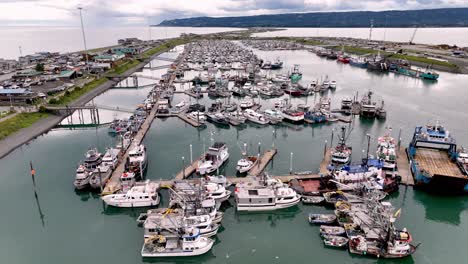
(138, 196)
(111, 157)
(293, 115)
(218, 179)
(274, 116)
(217, 192)
(255, 117)
(100, 176)
(124, 141)
(247, 102)
(332, 85)
(245, 164)
(265, 195)
(190, 243)
(213, 158)
(197, 116)
(341, 153)
(138, 159)
(386, 150)
(81, 178)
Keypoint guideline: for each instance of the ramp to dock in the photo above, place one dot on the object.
(404, 168)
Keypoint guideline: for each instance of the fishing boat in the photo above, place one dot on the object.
(277, 64)
(255, 117)
(124, 141)
(239, 91)
(332, 85)
(100, 176)
(322, 218)
(296, 75)
(247, 102)
(346, 103)
(245, 164)
(343, 59)
(335, 241)
(265, 194)
(137, 160)
(217, 118)
(397, 245)
(236, 118)
(358, 62)
(177, 244)
(326, 230)
(179, 107)
(274, 116)
(92, 159)
(137, 196)
(341, 154)
(213, 158)
(81, 178)
(111, 157)
(218, 179)
(217, 192)
(197, 116)
(312, 199)
(293, 115)
(315, 116)
(386, 150)
(429, 75)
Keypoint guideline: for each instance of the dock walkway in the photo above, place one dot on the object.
(404, 168)
(262, 162)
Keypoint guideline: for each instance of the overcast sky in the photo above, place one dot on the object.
(139, 12)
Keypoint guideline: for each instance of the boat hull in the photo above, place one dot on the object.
(178, 253)
(271, 207)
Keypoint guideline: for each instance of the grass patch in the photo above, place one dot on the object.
(166, 46)
(359, 51)
(125, 66)
(424, 60)
(5, 113)
(76, 93)
(18, 122)
(312, 42)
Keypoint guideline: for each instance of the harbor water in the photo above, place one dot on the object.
(60, 225)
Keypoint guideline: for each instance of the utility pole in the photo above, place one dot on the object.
(84, 38)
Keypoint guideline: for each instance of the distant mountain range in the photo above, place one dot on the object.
(445, 17)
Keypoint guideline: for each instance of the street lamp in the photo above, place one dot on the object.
(84, 38)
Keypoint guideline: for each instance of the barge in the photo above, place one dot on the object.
(432, 155)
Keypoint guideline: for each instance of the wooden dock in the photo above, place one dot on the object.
(194, 123)
(187, 171)
(263, 162)
(325, 161)
(404, 168)
(113, 184)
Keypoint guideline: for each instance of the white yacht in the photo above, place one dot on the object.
(197, 116)
(93, 159)
(111, 158)
(180, 107)
(137, 196)
(245, 164)
(81, 178)
(217, 192)
(137, 159)
(275, 116)
(255, 117)
(218, 179)
(213, 158)
(171, 244)
(265, 195)
(247, 102)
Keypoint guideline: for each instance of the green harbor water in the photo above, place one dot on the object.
(60, 225)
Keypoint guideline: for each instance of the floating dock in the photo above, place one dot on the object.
(187, 171)
(262, 162)
(113, 184)
(184, 117)
(404, 168)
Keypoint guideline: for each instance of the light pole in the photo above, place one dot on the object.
(183, 167)
(84, 38)
(291, 163)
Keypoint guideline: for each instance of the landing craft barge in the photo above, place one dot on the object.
(432, 154)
